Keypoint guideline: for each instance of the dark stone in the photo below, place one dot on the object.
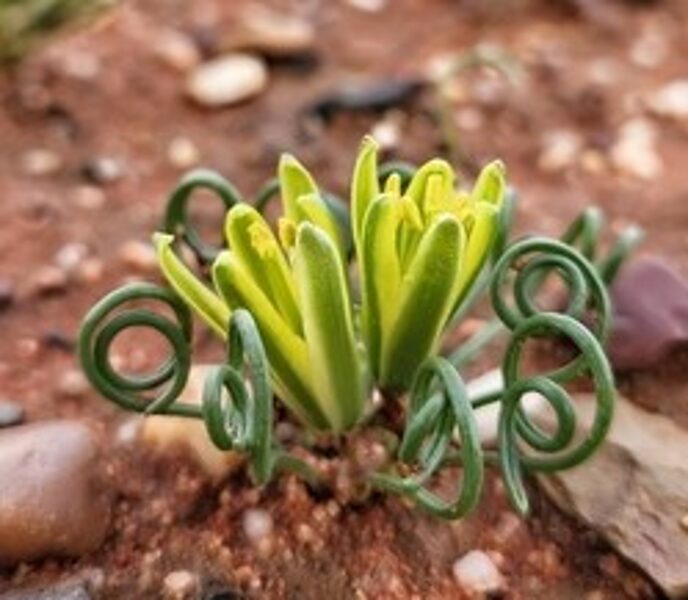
(102, 170)
(57, 340)
(10, 414)
(218, 591)
(6, 294)
(374, 97)
(650, 302)
(70, 591)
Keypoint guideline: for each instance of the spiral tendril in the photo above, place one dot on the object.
(98, 331)
(432, 418)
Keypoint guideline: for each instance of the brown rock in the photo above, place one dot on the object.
(634, 491)
(51, 502)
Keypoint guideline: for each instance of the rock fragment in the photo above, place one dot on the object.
(476, 573)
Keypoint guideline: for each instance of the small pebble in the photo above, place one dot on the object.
(257, 524)
(139, 256)
(649, 50)
(271, 33)
(469, 118)
(476, 573)
(684, 522)
(10, 414)
(183, 153)
(227, 80)
(6, 293)
(387, 133)
(180, 585)
(90, 271)
(371, 6)
(176, 50)
(560, 149)
(40, 162)
(671, 100)
(103, 170)
(635, 152)
(48, 281)
(88, 197)
(73, 384)
(71, 255)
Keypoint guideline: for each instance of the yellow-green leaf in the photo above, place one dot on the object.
(328, 326)
(364, 184)
(184, 282)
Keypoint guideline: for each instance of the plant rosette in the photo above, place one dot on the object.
(328, 307)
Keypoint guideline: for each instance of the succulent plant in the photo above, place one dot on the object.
(328, 307)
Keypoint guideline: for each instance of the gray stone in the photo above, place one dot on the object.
(634, 491)
(10, 414)
(52, 502)
(69, 591)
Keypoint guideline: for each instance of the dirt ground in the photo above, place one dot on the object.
(105, 93)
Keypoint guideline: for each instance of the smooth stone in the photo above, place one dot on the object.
(227, 80)
(560, 149)
(180, 585)
(257, 524)
(650, 301)
(476, 573)
(10, 414)
(271, 33)
(55, 504)
(633, 491)
(138, 255)
(635, 152)
(165, 432)
(48, 281)
(177, 50)
(40, 162)
(671, 100)
(182, 153)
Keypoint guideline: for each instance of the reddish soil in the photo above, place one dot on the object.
(168, 516)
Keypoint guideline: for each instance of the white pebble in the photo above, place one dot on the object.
(227, 80)
(88, 197)
(73, 384)
(183, 153)
(139, 256)
(476, 573)
(176, 50)
(257, 524)
(560, 149)
(40, 162)
(71, 255)
(180, 585)
(671, 100)
(273, 33)
(371, 6)
(649, 50)
(635, 153)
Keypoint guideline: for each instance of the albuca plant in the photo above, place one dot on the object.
(328, 307)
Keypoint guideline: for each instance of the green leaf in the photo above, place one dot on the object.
(491, 184)
(365, 186)
(253, 242)
(481, 239)
(312, 208)
(287, 352)
(381, 269)
(184, 282)
(328, 325)
(425, 302)
(295, 181)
